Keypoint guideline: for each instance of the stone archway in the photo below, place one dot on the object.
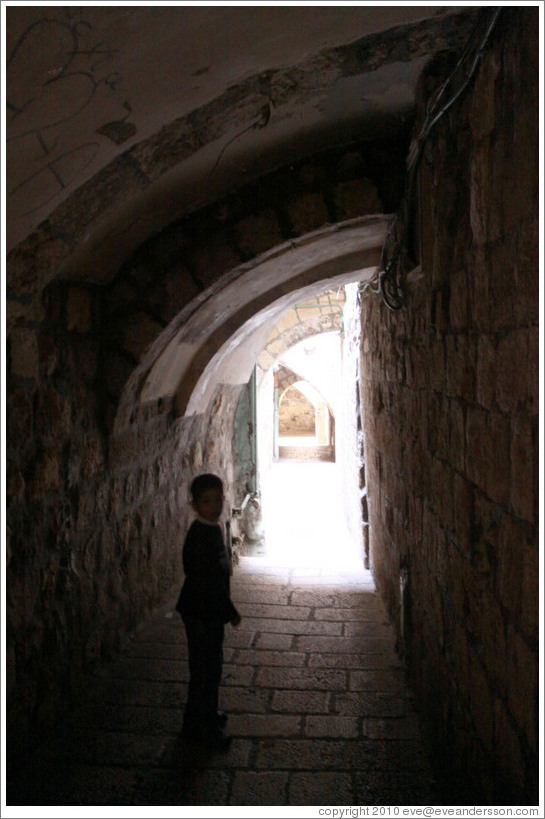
(218, 337)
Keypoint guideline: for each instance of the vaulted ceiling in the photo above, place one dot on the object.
(161, 109)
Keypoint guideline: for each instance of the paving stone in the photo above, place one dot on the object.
(254, 610)
(302, 678)
(239, 637)
(237, 757)
(317, 717)
(253, 579)
(237, 674)
(173, 695)
(348, 661)
(341, 644)
(265, 788)
(372, 629)
(207, 788)
(371, 613)
(395, 788)
(331, 726)
(262, 657)
(264, 725)
(386, 680)
(260, 594)
(293, 626)
(252, 700)
(369, 705)
(313, 755)
(301, 702)
(314, 597)
(274, 641)
(320, 789)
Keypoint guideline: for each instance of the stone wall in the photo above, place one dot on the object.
(95, 521)
(450, 402)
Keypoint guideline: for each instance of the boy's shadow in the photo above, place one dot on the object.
(184, 773)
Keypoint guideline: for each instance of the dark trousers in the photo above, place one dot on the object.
(205, 650)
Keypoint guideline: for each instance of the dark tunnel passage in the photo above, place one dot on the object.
(375, 181)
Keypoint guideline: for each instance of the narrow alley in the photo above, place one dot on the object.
(314, 690)
(234, 233)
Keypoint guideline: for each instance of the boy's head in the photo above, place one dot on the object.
(207, 496)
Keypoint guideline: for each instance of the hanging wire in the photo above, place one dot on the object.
(395, 256)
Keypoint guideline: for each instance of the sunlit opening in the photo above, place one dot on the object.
(307, 471)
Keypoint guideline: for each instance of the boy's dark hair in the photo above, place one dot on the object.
(203, 482)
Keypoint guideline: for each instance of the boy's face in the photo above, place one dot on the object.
(209, 504)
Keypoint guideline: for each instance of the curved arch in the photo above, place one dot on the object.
(217, 338)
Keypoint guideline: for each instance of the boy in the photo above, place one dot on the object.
(205, 606)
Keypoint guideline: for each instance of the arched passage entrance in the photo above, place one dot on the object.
(217, 338)
(199, 365)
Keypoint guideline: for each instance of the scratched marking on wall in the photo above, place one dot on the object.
(66, 72)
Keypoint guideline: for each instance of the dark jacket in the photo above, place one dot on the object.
(206, 593)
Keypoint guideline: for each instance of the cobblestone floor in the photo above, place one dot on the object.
(315, 694)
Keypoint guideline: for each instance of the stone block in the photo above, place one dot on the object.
(214, 257)
(287, 322)
(488, 453)
(457, 451)
(379, 680)
(264, 725)
(340, 645)
(24, 352)
(263, 788)
(47, 475)
(486, 371)
(253, 611)
(248, 699)
(311, 754)
(524, 457)
(79, 307)
(530, 591)
(289, 627)
(307, 212)
(483, 118)
(302, 678)
(368, 704)
(463, 511)
(320, 789)
(512, 356)
(237, 674)
(523, 686)
(460, 365)
(258, 233)
(138, 332)
(459, 300)
(265, 360)
(508, 751)
(481, 703)
(355, 198)
(300, 702)
(275, 641)
(335, 727)
(526, 276)
(203, 788)
(262, 657)
(367, 660)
